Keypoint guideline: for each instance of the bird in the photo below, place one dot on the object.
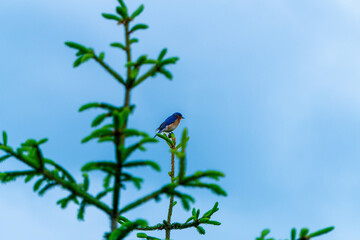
(170, 124)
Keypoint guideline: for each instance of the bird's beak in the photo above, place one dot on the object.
(182, 117)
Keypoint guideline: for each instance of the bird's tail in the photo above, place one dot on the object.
(158, 131)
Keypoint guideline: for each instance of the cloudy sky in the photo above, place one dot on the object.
(269, 89)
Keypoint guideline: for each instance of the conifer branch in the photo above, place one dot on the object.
(68, 185)
(140, 201)
(112, 72)
(146, 75)
(172, 226)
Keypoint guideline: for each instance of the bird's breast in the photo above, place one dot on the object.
(172, 126)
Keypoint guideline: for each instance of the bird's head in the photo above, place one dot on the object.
(178, 115)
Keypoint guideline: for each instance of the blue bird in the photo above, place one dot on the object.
(170, 124)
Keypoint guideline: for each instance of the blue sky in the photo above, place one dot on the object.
(270, 92)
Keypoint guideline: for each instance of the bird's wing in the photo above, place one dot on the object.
(168, 121)
(162, 126)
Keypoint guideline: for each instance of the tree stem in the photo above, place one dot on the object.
(117, 184)
(171, 204)
(120, 138)
(128, 54)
